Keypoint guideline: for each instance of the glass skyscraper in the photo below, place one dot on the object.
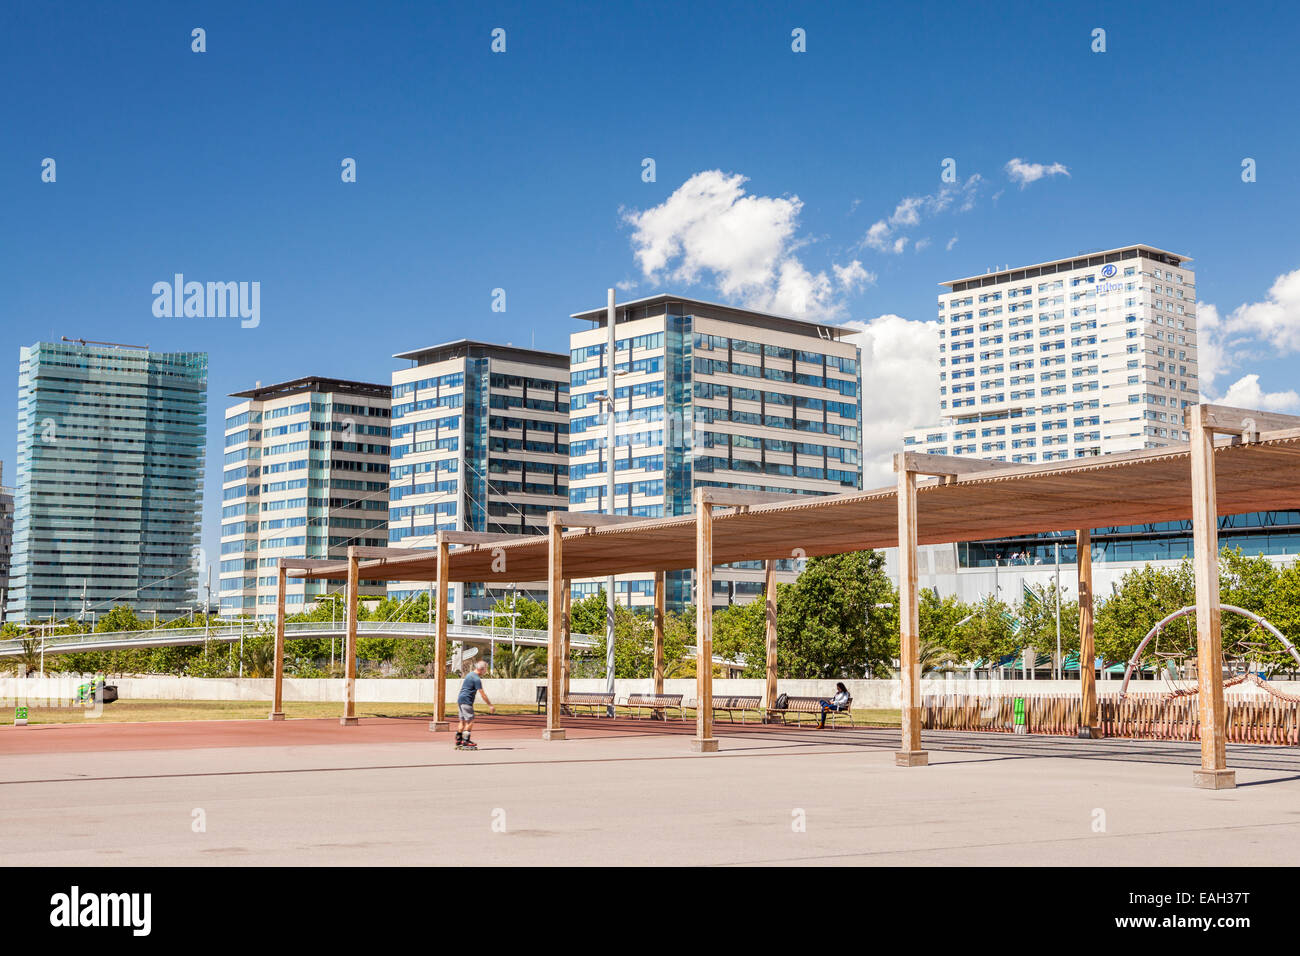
(109, 480)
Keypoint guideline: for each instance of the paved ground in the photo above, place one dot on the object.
(389, 792)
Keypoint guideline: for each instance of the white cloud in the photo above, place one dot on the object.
(853, 276)
(885, 235)
(1246, 393)
(1252, 330)
(900, 387)
(710, 228)
(1025, 173)
(951, 242)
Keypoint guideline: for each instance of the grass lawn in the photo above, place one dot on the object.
(130, 711)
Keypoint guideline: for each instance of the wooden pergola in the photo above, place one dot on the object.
(1257, 468)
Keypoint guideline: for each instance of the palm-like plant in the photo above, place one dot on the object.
(514, 663)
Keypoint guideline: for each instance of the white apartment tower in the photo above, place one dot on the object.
(1065, 359)
(712, 395)
(305, 476)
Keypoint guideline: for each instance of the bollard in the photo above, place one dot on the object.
(1020, 727)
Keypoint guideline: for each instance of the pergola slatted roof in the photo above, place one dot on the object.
(1107, 491)
(971, 500)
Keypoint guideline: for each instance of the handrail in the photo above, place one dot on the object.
(164, 636)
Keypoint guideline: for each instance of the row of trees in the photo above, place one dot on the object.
(839, 619)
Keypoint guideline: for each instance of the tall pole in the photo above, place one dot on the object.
(610, 349)
(1214, 773)
(277, 694)
(911, 754)
(703, 741)
(1089, 718)
(1057, 669)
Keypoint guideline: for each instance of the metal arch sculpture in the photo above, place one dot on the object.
(1191, 609)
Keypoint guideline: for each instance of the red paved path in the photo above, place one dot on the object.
(195, 734)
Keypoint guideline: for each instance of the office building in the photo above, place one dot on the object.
(305, 476)
(480, 443)
(6, 541)
(109, 479)
(709, 395)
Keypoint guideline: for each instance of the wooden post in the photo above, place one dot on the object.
(555, 615)
(566, 622)
(661, 586)
(1089, 717)
(769, 691)
(1213, 774)
(909, 638)
(439, 722)
(703, 741)
(349, 718)
(277, 697)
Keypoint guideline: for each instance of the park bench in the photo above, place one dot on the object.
(570, 702)
(811, 705)
(655, 703)
(738, 705)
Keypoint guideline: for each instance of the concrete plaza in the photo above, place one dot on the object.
(621, 792)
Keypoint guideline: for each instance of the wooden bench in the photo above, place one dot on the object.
(738, 705)
(811, 705)
(655, 703)
(570, 702)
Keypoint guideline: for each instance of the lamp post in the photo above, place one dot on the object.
(610, 351)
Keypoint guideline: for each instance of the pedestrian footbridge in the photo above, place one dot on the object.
(470, 634)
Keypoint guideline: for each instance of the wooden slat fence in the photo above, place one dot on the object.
(1256, 719)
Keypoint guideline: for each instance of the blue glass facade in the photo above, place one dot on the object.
(109, 479)
(1259, 532)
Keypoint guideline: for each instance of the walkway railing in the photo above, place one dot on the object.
(189, 636)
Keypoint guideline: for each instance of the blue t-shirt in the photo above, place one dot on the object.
(471, 686)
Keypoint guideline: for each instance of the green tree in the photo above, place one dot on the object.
(1037, 614)
(529, 614)
(988, 634)
(1142, 597)
(829, 623)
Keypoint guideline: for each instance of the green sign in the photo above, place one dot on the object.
(20, 714)
(1020, 711)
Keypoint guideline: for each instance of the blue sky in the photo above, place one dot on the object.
(523, 171)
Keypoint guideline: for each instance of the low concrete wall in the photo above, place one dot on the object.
(866, 693)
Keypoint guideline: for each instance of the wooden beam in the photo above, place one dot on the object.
(922, 464)
(909, 640)
(439, 722)
(735, 498)
(566, 622)
(1246, 422)
(309, 564)
(555, 607)
(1089, 717)
(277, 696)
(769, 597)
(591, 519)
(703, 741)
(349, 718)
(1214, 773)
(661, 586)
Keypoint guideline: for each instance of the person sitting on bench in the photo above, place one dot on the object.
(840, 702)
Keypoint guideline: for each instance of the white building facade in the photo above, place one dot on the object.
(305, 476)
(1065, 359)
